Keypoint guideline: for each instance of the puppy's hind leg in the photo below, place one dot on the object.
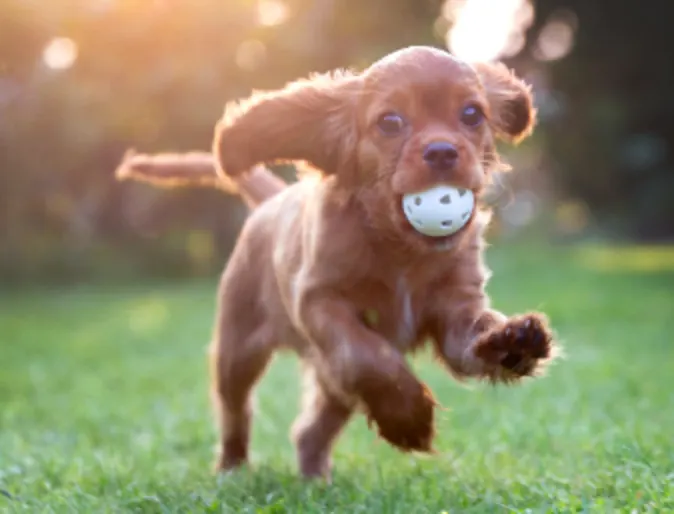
(238, 360)
(320, 422)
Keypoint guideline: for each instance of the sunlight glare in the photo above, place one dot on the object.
(271, 12)
(60, 53)
(487, 30)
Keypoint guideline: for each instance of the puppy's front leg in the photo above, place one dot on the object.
(484, 343)
(521, 346)
(361, 364)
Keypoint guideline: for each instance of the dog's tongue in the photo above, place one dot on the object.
(439, 211)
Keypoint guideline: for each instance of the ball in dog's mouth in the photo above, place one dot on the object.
(440, 211)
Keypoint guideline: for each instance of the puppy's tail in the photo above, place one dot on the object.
(198, 169)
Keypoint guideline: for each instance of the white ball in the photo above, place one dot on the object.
(439, 211)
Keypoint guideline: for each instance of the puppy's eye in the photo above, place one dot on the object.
(472, 116)
(390, 123)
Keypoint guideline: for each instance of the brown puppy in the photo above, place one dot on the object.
(330, 267)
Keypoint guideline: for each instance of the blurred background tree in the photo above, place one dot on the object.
(83, 80)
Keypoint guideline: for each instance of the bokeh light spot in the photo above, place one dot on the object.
(572, 216)
(554, 42)
(251, 54)
(201, 250)
(522, 210)
(60, 53)
(271, 12)
(148, 316)
(622, 259)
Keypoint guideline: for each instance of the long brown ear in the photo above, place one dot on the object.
(512, 112)
(310, 120)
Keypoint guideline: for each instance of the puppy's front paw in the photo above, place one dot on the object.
(517, 349)
(402, 410)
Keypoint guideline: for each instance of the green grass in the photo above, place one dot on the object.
(103, 406)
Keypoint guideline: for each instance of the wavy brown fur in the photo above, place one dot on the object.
(330, 268)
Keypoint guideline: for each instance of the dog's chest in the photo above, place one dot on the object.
(396, 313)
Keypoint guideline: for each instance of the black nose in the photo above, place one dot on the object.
(441, 156)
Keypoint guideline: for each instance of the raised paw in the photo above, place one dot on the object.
(517, 349)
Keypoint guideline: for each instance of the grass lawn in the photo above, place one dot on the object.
(103, 405)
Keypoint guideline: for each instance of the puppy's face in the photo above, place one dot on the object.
(415, 119)
(426, 119)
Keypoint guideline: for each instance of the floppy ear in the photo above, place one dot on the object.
(311, 120)
(511, 103)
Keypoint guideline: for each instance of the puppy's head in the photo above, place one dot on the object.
(426, 119)
(415, 119)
